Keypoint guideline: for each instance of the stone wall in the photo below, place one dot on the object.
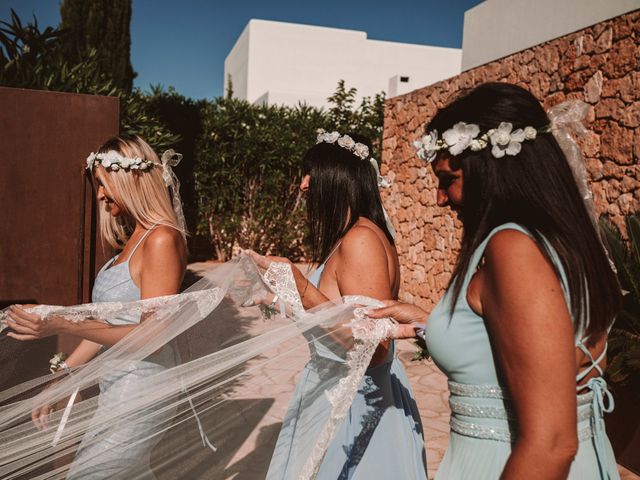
(599, 65)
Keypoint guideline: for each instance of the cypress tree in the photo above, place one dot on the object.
(102, 25)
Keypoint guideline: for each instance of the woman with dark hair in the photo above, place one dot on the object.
(353, 245)
(521, 331)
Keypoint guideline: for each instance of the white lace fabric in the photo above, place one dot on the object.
(201, 351)
(279, 277)
(204, 300)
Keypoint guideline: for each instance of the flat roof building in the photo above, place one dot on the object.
(287, 63)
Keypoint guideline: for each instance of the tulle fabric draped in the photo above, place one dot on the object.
(198, 390)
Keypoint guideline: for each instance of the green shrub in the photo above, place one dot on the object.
(624, 339)
(247, 175)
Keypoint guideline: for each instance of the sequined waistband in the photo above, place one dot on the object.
(474, 412)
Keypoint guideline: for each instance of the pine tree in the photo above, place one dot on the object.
(102, 25)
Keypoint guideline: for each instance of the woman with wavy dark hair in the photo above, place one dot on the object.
(521, 331)
(353, 246)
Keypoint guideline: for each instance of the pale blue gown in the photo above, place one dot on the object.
(121, 450)
(482, 432)
(381, 437)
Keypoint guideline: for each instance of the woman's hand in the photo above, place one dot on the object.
(264, 261)
(40, 416)
(268, 299)
(31, 326)
(309, 294)
(404, 313)
(410, 317)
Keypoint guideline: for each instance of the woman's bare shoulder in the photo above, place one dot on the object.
(361, 236)
(164, 240)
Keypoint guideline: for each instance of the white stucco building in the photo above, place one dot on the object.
(496, 28)
(286, 63)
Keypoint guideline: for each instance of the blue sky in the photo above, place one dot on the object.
(184, 43)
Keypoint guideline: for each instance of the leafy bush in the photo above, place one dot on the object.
(182, 116)
(624, 339)
(366, 120)
(248, 168)
(247, 175)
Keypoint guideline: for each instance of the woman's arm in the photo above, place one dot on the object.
(309, 295)
(162, 267)
(532, 337)
(163, 263)
(84, 352)
(357, 271)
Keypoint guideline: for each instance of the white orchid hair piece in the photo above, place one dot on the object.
(504, 140)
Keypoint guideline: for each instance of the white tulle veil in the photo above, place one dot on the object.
(223, 369)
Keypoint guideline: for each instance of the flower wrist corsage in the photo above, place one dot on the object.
(58, 363)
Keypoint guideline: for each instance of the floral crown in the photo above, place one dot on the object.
(504, 140)
(344, 141)
(113, 161)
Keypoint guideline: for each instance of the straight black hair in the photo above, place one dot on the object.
(343, 188)
(535, 189)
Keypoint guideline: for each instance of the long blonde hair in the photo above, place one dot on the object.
(141, 194)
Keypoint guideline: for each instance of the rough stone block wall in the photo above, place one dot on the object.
(599, 65)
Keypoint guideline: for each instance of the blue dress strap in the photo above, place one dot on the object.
(479, 252)
(595, 363)
(141, 240)
(600, 390)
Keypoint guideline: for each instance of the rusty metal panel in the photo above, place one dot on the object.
(48, 245)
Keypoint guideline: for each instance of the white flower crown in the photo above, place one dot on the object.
(504, 141)
(112, 160)
(344, 141)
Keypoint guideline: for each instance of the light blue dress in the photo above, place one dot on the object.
(122, 450)
(381, 437)
(481, 431)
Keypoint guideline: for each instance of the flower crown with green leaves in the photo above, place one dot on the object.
(112, 160)
(504, 140)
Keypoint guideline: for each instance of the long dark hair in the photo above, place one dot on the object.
(535, 189)
(342, 189)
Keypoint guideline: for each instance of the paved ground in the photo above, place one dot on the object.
(275, 383)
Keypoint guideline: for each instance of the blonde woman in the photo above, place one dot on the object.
(135, 190)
